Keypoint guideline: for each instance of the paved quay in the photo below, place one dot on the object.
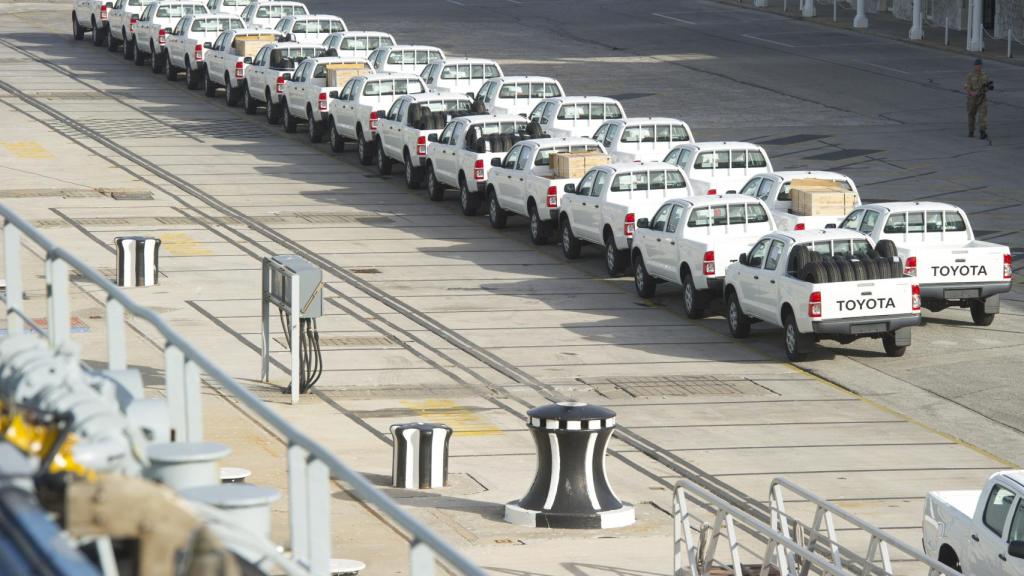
(434, 316)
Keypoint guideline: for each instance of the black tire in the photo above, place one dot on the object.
(571, 245)
(363, 149)
(170, 72)
(209, 86)
(644, 283)
(495, 214)
(978, 315)
(127, 47)
(883, 269)
(192, 80)
(833, 270)
(468, 201)
(887, 248)
(413, 174)
(694, 301)
(287, 120)
(614, 259)
(739, 323)
(384, 164)
(336, 140)
(796, 343)
(870, 269)
(860, 271)
(891, 349)
(156, 61)
(77, 32)
(815, 273)
(799, 258)
(540, 231)
(314, 128)
(435, 190)
(249, 104)
(273, 111)
(845, 269)
(231, 95)
(97, 34)
(109, 41)
(138, 56)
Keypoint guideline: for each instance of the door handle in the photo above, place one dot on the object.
(757, 277)
(772, 281)
(658, 239)
(1002, 557)
(672, 242)
(583, 203)
(975, 538)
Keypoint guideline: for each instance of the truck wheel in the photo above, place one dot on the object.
(76, 29)
(273, 111)
(796, 343)
(891, 349)
(978, 314)
(643, 282)
(614, 261)
(694, 300)
(363, 149)
(739, 323)
(337, 142)
(495, 214)
(230, 94)
(249, 104)
(191, 79)
(571, 245)
(434, 188)
(314, 129)
(540, 231)
(470, 202)
(287, 120)
(413, 175)
(170, 72)
(384, 163)
(209, 87)
(138, 56)
(97, 34)
(127, 48)
(156, 65)
(109, 40)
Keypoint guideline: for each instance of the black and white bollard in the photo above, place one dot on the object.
(138, 260)
(420, 455)
(570, 489)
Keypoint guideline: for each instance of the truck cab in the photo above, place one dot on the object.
(460, 75)
(643, 139)
(575, 116)
(720, 167)
(937, 244)
(407, 58)
(406, 129)
(307, 28)
(357, 43)
(773, 188)
(605, 205)
(517, 95)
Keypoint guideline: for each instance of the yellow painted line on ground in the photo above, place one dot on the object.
(463, 421)
(27, 150)
(181, 244)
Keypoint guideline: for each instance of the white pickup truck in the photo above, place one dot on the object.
(773, 189)
(978, 532)
(461, 156)
(267, 13)
(460, 75)
(155, 24)
(575, 116)
(604, 207)
(357, 43)
(307, 96)
(522, 183)
(643, 139)
(91, 15)
(690, 242)
(310, 27)
(517, 95)
(822, 284)
(357, 111)
(121, 25)
(188, 42)
(266, 75)
(937, 245)
(720, 167)
(405, 130)
(225, 67)
(408, 58)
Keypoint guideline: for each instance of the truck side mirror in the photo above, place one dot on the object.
(207, 45)
(432, 137)
(496, 162)
(247, 60)
(743, 259)
(1016, 549)
(333, 94)
(570, 188)
(471, 95)
(288, 38)
(829, 226)
(287, 75)
(643, 223)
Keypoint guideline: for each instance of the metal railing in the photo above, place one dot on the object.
(310, 465)
(820, 534)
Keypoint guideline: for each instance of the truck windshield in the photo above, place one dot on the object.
(288, 58)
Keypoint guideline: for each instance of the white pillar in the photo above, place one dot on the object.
(861, 19)
(975, 34)
(760, 3)
(917, 28)
(808, 11)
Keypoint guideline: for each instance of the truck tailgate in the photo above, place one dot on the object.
(974, 262)
(845, 300)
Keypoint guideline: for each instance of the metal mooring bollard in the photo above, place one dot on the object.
(138, 260)
(420, 455)
(570, 489)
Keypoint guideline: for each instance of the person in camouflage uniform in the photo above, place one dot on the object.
(977, 85)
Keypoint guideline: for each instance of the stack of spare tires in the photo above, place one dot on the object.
(879, 263)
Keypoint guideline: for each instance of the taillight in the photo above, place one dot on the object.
(910, 266)
(712, 192)
(552, 196)
(814, 305)
(421, 146)
(103, 12)
(478, 170)
(800, 226)
(1007, 266)
(199, 52)
(239, 69)
(374, 119)
(915, 298)
(162, 36)
(629, 226)
(131, 27)
(280, 84)
(322, 102)
(709, 263)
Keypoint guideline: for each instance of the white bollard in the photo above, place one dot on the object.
(861, 19)
(947, 31)
(808, 11)
(1009, 41)
(917, 29)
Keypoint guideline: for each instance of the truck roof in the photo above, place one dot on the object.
(644, 120)
(243, 31)
(435, 97)
(283, 2)
(410, 47)
(276, 45)
(630, 166)
(900, 206)
(826, 234)
(344, 33)
(475, 118)
(337, 59)
(389, 75)
(577, 99)
(786, 175)
(725, 145)
(466, 61)
(507, 79)
(538, 142)
(1015, 475)
(314, 17)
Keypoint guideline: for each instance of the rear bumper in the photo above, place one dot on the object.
(963, 290)
(868, 326)
(552, 214)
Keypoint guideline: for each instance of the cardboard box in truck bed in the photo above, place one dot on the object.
(340, 73)
(814, 197)
(250, 44)
(576, 164)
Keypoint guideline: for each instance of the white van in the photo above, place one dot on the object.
(642, 139)
(309, 27)
(517, 95)
(719, 167)
(575, 116)
(265, 14)
(460, 75)
(357, 43)
(404, 58)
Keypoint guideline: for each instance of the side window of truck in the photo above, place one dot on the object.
(757, 253)
(599, 184)
(774, 255)
(1016, 533)
(446, 135)
(896, 224)
(998, 508)
(870, 219)
(750, 189)
(660, 219)
(853, 220)
(511, 158)
(954, 222)
(673, 219)
(587, 184)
